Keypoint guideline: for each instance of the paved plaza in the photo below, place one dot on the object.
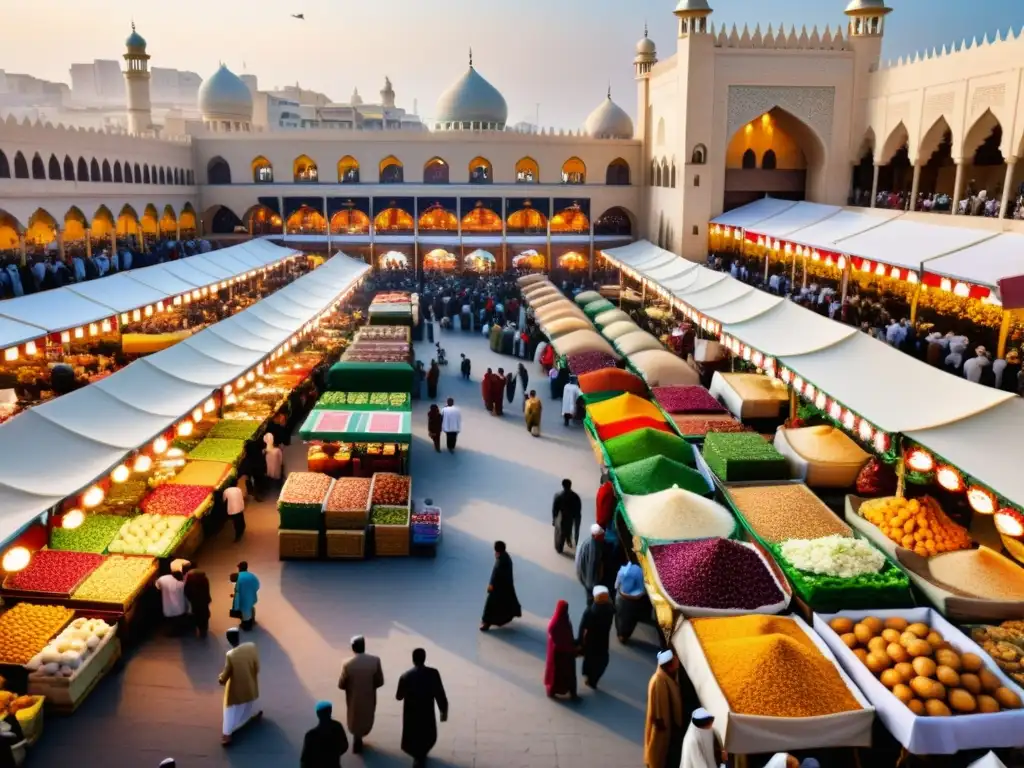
(166, 700)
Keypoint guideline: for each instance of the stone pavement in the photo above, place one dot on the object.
(166, 700)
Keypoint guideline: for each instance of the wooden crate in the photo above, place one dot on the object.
(347, 520)
(189, 543)
(348, 545)
(298, 545)
(391, 540)
(65, 694)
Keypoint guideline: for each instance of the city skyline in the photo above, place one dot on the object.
(565, 63)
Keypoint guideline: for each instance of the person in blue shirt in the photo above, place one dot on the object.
(631, 602)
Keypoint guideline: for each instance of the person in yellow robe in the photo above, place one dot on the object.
(663, 730)
(532, 413)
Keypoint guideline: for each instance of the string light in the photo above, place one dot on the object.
(920, 460)
(949, 478)
(981, 500)
(1010, 522)
(142, 463)
(197, 415)
(185, 429)
(93, 497)
(73, 519)
(849, 420)
(865, 431)
(30, 348)
(210, 405)
(881, 442)
(120, 473)
(159, 445)
(16, 559)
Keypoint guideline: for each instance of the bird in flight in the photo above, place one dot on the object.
(300, 16)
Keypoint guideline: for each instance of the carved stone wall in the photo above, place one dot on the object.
(814, 105)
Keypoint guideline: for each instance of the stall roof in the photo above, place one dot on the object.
(789, 329)
(358, 426)
(96, 414)
(219, 348)
(250, 323)
(189, 364)
(147, 388)
(242, 338)
(891, 389)
(909, 243)
(753, 213)
(793, 218)
(746, 307)
(193, 274)
(120, 292)
(985, 263)
(160, 278)
(718, 295)
(633, 253)
(216, 264)
(703, 278)
(671, 271)
(275, 319)
(846, 223)
(985, 446)
(286, 306)
(20, 508)
(13, 332)
(56, 310)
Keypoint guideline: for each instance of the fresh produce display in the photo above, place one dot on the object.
(606, 432)
(53, 572)
(658, 473)
(390, 489)
(841, 556)
(922, 669)
(304, 489)
(776, 513)
(611, 379)
(26, 629)
(979, 572)
(767, 665)
(115, 581)
(384, 333)
(742, 457)
(917, 524)
(700, 425)
(581, 363)
(687, 400)
(203, 474)
(385, 515)
(349, 494)
(123, 498)
(342, 399)
(93, 535)
(716, 573)
(675, 515)
(642, 443)
(390, 399)
(174, 499)
(235, 429)
(1005, 644)
(12, 704)
(69, 650)
(218, 449)
(153, 535)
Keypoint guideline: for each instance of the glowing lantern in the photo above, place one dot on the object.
(828, 261)
(227, 389)
(810, 392)
(881, 442)
(30, 348)
(196, 295)
(120, 473)
(73, 519)
(204, 291)
(209, 405)
(912, 278)
(188, 298)
(185, 429)
(981, 500)
(124, 318)
(175, 453)
(946, 284)
(250, 377)
(177, 301)
(835, 411)
(815, 256)
(159, 445)
(197, 415)
(865, 431)
(746, 354)
(231, 400)
(1010, 522)
(240, 384)
(880, 270)
(757, 359)
(79, 333)
(159, 306)
(865, 266)
(849, 420)
(963, 290)
(93, 329)
(820, 401)
(137, 315)
(11, 353)
(106, 326)
(798, 384)
(16, 559)
(142, 463)
(920, 460)
(841, 263)
(93, 497)
(949, 478)
(789, 248)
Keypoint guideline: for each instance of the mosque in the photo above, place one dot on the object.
(727, 117)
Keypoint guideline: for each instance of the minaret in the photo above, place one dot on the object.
(387, 94)
(140, 113)
(693, 17)
(646, 57)
(867, 24)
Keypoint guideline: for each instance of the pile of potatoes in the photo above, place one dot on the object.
(923, 670)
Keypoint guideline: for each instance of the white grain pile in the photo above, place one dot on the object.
(676, 515)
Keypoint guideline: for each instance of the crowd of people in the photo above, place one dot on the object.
(976, 202)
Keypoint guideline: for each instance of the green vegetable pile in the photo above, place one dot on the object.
(389, 399)
(235, 429)
(93, 535)
(123, 498)
(186, 443)
(389, 516)
(658, 473)
(742, 456)
(642, 443)
(218, 449)
(361, 401)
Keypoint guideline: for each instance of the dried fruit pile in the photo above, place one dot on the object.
(93, 535)
(385, 515)
(588, 362)
(26, 628)
(218, 449)
(1005, 644)
(922, 669)
(716, 573)
(235, 429)
(115, 581)
(390, 489)
(304, 489)
(687, 400)
(743, 456)
(54, 572)
(917, 524)
(185, 500)
(349, 494)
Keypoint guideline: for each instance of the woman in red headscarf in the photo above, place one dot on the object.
(560, 666)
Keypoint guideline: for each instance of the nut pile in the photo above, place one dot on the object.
(114, 581)
(26, 629)
(917, 524)
(349, 494)
(390, 489)
(777, 513)
(922, 669)
(305, 489)
(1005, 644)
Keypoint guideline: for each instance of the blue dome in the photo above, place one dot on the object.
(224, 96)
(471, 99)
(135, 40)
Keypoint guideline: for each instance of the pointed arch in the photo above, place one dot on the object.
(527, 171)
(150, 220)
(177, 177)
(187, 221)
(94, 170)
(118, 177)
(20, 166)
(138, 174)
(348, 171)
(655, 173)
(145, 174)
(10, 228)
(659, 140)
(699, 156)
(168, 222)
(897, 139)
(395, 220)
(38, 169)
(5, 166)
(218, 171)
(527, 221)
(191, 178)
(664, 173)
(69, 169)
(437, 218)
(304, 170)
(570, 220)
(75, 225)
(128, 221)
(160, 179)
(391, 170)
(307, 221)
(482, 220)
(480, 171)
(749, 159)
(980, 134)
(436, 171)
(615, 222)
(867, 143)
(769, 162)
(223, 221)
(102, 223)
(617, 173)
(350, 221)
(574, 171)
(262, 170)
(105, 173)
(83, 170)
(672, 174)
(128, 173)
(152, 173)
(54, 168)
(42, 228)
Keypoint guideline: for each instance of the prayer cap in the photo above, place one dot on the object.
(322, 705)
(356, 638)
(702, 715)
(665, 657)
(167, 762)
(596, 530)
(600, 589)
(234, 631)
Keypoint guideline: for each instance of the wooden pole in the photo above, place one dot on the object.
(1004, 332)
(913, 303)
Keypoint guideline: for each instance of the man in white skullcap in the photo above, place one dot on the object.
(590, 561)
(699, 743)
(361, 676)
(168, 762)
(593, 638)
(663, 730)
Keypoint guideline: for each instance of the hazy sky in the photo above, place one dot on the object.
(559, 53)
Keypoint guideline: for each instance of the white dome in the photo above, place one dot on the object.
(688, 6)
(865, 5)
(609, 121)
(225, 97)
(471, 99)
(645, 47)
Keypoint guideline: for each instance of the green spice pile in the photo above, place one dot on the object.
(742, 456)
(658, 473)
(643, 443)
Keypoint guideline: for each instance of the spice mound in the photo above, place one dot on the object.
(657, 473)
(777, 513)
(715, 573)
(768, 666)
(980, 572)
(675, 514)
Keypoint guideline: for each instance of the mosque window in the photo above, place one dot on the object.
(749, 159)
(262, 171)
(768, 161)
(348, 170)
(127, 172)
(480, 171)
(218, 171)
(574, 171)
(696, 180)
(94, 170)
(38, 170)
(54, 168)
(436, 171)
(672, 177)
(391, 171)
(107, 176)
(527, 171)
(700, 155)
(20, 166)
(69, 169)
(304, 170)
(117, 172)
(5, 167)
(617, 174)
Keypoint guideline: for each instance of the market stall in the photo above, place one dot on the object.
(358, 440)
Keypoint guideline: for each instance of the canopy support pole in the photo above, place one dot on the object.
(805, 271)
(792, 273)
(1004, 332)
(792, 406)
(913, 303)
(845, 284)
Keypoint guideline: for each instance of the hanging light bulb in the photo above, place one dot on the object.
(820, 401)
(912, 278)
(11, 354)
(1010, 522)
(865, 265)
(93, 497)
(16, 559)
(949, 478)
(159, 445)
(835, 411)
(197, 415)
(809, 391)
(72, 519)
(981, 500)
(120, 473)
(79, 333)
(65, 337)
(240, 383)
(185, 429)
(136, 315)
(881, 441)
(227, 389)
(210, 405)
(30, 348)
(124, 318)
(880, 270)
(865, 431)
(250, 377)
(849, 420)
(920, 460)
(142, 463)
(106, 326)
(93, 329)
(159, 306)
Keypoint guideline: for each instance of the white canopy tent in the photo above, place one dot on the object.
(846, 223)
(789, 329)
(13, 332)
(746, 216)
(984, 263)
(119, 293)
(794, 218)
(909, 244)
(56, 310)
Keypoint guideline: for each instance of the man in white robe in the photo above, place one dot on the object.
(569, 396)
(699, 742)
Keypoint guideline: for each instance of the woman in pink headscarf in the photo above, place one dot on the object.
(275, 459)
(560, 665)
